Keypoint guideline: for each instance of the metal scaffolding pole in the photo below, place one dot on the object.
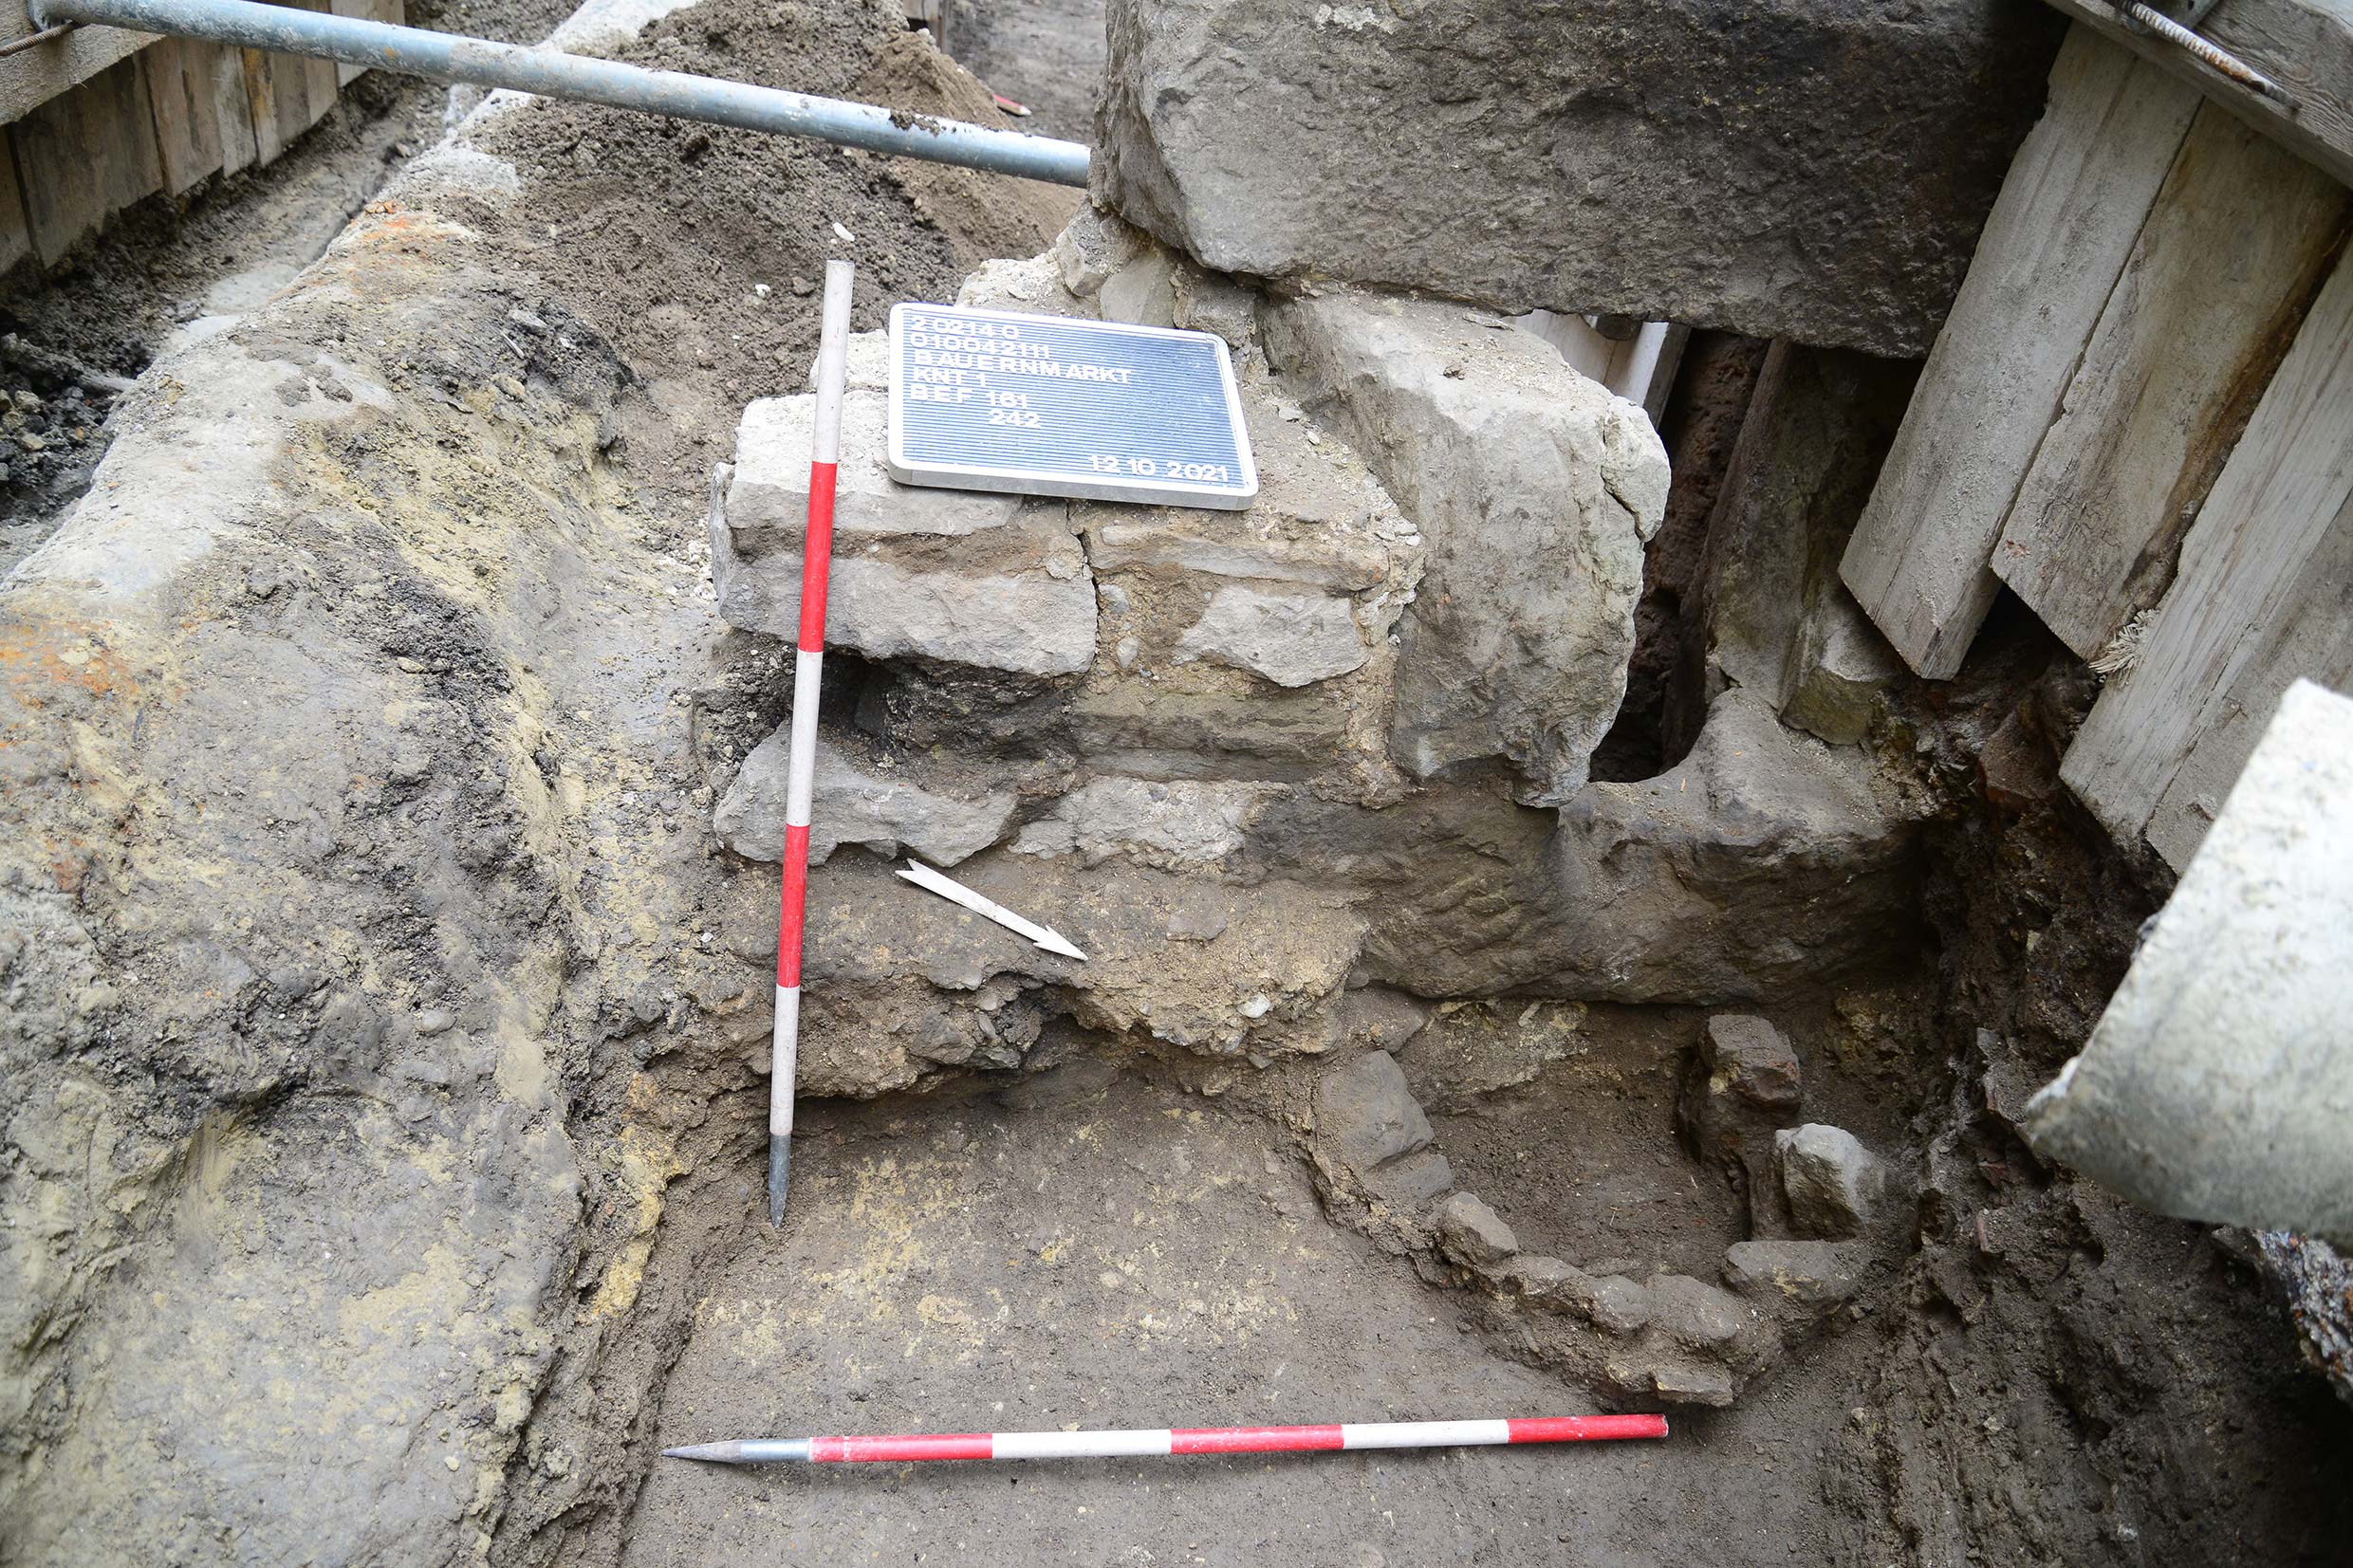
(449, 57)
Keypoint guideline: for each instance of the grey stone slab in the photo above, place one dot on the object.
(1810, 169)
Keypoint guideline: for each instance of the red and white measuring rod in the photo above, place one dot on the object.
(808, 662)
(1161, 1441)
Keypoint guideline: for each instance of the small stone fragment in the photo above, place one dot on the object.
(1096, 245)
(1805, 1273)
(1747, 1056)
(1472, 1233)
(1365, 1109)
(1831, 1181)
(1144, 292)
(1197, 925)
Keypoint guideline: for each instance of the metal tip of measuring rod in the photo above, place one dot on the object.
(779, 1177)
(710, 1454)
(1053, 941)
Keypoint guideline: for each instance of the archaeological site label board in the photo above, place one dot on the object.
(1043, 405)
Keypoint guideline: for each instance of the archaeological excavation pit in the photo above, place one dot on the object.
(1578, 887)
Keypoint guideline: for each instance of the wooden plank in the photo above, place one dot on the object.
(16, 234)
(85, 154)
(232, 110)
(320, 85)
(2263, 577)
(2313, 637)
(2240, 240)
(2059, 234)
(45, 71)
(290, 77)
(261, 101)
(59, 211)
(346, 73)
(120, 154)
(180, 89)
(2304, 46)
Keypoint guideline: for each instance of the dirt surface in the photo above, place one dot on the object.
(168, 268)
(698, 251)
(984, 216)
(1189, 1278)
(1046, 55)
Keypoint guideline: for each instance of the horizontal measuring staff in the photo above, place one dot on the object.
(1162, 1441)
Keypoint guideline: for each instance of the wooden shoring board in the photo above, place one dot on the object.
(322, 81)
(35, 76)
(232, 110)
(85, 154)
(366, 10)
(2311, 637)
(2262, 596)
(261, 101)
(2060, 233)
(2238, 242)
(15, 232)
(2304, 46)
(187, 120)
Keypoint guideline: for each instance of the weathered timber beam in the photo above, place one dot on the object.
(2304, 46)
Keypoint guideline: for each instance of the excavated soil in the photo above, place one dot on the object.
(1046, 55)
(167, 268)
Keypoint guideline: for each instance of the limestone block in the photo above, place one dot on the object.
(1843, 670)
(855, 801)
(1761, 860)
(1367, 1115)
(767, 501)
(1211, 302)
(1679, 163)
(1032, 286)
(868, 364)
(1811, 1275)
(1535, 490)
(960, 576)
(1169, 824)
(1320, 519)
(1142, 292)
(1292, 640)
(1038, 619)
(1742, 1085)
(1767, 611)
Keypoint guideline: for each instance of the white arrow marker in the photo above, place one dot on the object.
(956, 891)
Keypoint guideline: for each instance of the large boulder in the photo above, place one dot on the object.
(1808, 169)
(1535, 489)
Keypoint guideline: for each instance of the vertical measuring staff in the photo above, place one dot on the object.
(808, 661)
